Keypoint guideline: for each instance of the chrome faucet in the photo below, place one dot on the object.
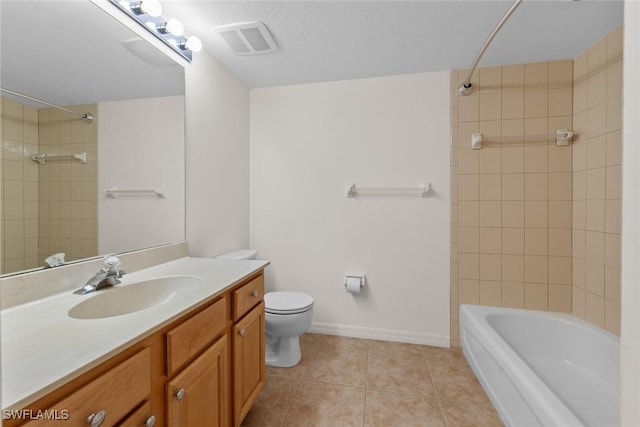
(107, 276)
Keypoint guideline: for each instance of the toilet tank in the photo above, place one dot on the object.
(240, 254)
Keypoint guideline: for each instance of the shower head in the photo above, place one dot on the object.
(465, 88)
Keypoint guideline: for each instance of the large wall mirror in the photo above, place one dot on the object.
(74, 54)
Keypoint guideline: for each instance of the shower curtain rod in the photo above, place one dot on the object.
(466, 87)
(87, 117)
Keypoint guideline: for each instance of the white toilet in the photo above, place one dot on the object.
(287, 316)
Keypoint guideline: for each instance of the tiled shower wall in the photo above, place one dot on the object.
(597, 121)
(535, 225)
(511, 237)
(68, 189)
(20, 186)
(52, 207)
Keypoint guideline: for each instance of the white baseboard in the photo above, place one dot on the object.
(380, 334)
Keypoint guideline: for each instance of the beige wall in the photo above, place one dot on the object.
(597, 122)
(20, 186)
(67, 188)
(535, 225)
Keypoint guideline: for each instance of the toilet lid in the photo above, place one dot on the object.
(287, 302)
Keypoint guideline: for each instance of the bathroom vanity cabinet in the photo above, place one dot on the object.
(204, 368)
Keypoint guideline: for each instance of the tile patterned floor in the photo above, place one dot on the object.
(342, 382)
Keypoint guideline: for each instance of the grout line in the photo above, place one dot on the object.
(286, 414)
(297, 389)
(366, 381)
(435, 390)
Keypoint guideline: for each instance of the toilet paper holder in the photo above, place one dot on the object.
(354, 282)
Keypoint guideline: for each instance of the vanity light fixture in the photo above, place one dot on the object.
(172, 26)
(148, 13)
(193, 44)
(150, 7)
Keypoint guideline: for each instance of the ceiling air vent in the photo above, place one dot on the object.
(247, 38)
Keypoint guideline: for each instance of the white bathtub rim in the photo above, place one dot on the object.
(500, 407)
(565, 317)
(525, 380)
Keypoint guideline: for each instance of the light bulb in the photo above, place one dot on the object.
(175, 27)
(193, 44)
(151, 7)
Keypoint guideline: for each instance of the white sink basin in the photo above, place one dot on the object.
(119, 300)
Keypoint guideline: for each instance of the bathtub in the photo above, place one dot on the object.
(541, 368)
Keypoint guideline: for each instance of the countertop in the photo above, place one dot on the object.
(42, 347)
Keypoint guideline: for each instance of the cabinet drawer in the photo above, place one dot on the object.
(247, 296)
(141, 417)
(187, 339)
(115, 392)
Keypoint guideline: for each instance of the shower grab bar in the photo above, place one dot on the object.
(87, 117)
(114, 192)
(42, 158)
(466, 87)
(562, 138)
(424, 190)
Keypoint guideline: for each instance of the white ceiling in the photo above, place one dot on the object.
(71, 52)
(336, 40)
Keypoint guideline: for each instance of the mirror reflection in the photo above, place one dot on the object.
(56, 166)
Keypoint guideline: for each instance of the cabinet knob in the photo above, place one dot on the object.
(96, 419)
(254, 294)
(242, 332)
(180, 394)
(151, 421)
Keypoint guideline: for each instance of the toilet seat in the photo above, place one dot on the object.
(287, 302)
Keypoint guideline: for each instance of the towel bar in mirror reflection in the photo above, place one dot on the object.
(114, 192)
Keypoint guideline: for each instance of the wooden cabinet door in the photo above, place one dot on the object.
(198, 396)
(248, 361)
